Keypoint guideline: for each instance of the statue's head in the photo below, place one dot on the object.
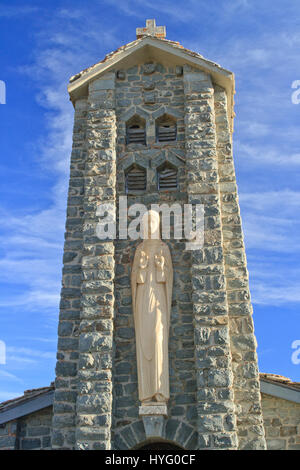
(151, 225)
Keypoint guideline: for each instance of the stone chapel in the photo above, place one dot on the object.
(154, 122)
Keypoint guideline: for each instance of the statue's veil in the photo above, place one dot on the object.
(152, 217)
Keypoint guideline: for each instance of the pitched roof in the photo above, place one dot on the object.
(132, 44)
(280, 380)
(152, 48)
(28, 394)
(31, 401)
(280, 387)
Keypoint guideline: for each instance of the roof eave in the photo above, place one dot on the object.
(278, 390)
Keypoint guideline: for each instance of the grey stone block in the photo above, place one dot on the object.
(7, 442)
(30, 444)
(154, 426)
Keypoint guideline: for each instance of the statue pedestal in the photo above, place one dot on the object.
(153, 415)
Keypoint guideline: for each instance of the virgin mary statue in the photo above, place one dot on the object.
(151, 283)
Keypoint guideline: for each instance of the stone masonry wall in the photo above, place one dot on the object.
(31, 432)
(282, 423)
(163, 86)
(64, 409)
(215, 399)
(8, 435)
(213, 368)
(242, 339)
(94, 399)
(34, 430)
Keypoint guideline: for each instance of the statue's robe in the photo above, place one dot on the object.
(151, 298)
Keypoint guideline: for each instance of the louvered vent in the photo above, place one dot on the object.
(167, 178)
(136, 134)
(136, 179)
(166, 132)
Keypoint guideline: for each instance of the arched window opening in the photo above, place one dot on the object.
(136, 179)
(160, 445)
(166, 129)
(136, 131)
(167, 177)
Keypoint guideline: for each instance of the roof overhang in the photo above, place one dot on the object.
(285, 392)
(151, 48)
(27, 407)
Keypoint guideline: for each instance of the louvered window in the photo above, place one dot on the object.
(136, 179)
(166, 129)
(167, 178)
(136, 134)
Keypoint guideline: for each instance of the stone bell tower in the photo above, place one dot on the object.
(153, 122)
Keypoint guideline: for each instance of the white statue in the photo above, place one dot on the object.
(151, 283)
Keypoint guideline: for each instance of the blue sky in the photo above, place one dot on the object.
(42, 45)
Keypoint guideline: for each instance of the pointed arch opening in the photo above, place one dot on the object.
(136, 130)
(167, 177)
(166, 128)
(135, 178)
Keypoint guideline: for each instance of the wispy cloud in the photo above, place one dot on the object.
(137, 8)
(8, 376)
(8, 11)
(265, 59)
(5, 396)
(265, 155)
(33, 241)
(271, 227)
(270, 221)
(30, 352)
(266, 293)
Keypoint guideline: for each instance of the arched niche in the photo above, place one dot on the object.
(159, 445)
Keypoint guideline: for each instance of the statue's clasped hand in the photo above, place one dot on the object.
(143, 260)
(159, 261)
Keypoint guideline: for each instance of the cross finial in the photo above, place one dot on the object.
(151, 30)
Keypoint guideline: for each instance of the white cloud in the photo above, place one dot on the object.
(38, 339)
(271, 227)
(5, 396)
(70, 14)
(30, 352)
(8, 11)
(263, 155)
(270, 221)
(273, 279)
(284, 202)
(267, 294)
(136, 8)
(33, 241)
(8, 376)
